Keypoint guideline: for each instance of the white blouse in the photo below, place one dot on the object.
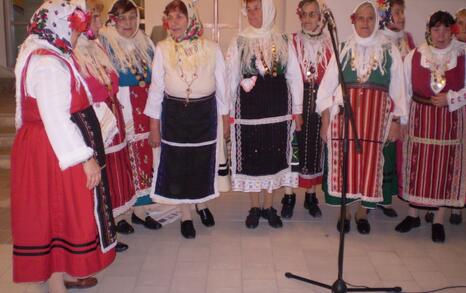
(166, 79)
(456, 99)
(48, 81)
(293, 76)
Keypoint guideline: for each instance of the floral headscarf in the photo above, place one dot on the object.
(55, 20)
(384, 10)
(195, 29)
(322, 7)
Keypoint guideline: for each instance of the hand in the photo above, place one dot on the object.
(298, 122)
(92, 171)
(154, 134)
(325, 124)
(226, 127)
(440, 100)
(394, 133)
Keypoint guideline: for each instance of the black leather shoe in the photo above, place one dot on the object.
(271, 215)
(346, 226)
(288, 203)
(313, 205)
(120, 247)
(438, 233)
(363, 226)
(187, 229)
(252, 220)
(124, 227)
(388, 211)
(407, 224)
(149, 222)
(456, 219)
(429, 217)
(206, 217)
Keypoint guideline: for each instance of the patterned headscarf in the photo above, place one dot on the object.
(384, 10)
(55, 20)
(194, 29)
(322, 7)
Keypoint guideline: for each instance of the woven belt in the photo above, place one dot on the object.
(423, 101)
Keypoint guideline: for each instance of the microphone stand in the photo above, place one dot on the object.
(339, 286)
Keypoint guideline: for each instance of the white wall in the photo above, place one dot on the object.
(3, 60)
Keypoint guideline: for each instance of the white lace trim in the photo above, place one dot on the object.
(262, 121)
(269, 183)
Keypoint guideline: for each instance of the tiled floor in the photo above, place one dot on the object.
(230, 258)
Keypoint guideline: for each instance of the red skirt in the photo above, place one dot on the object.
(120, 178)
(434, 155)
(52, 211)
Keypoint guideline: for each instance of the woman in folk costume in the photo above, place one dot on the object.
(392, 24)
(186, 97)
(266, 89)
(102, 82)
(131, 53)
(373, 74)
(434, 150)
(314, 49)
(61, 211)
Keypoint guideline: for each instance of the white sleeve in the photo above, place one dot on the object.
(54, 102)
(327, 87)
(294, 80)
(157, 87)
(407, 64)
(397, 88)
(456, 100)
(220, 80)
(233, 65)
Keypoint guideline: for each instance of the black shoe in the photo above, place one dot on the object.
(149, 222)
(388, 211)
(307, 199)
(456, 219)
(346, 226)
(407, 224)
(120, 247)
(271, 215)
(429, 217)
(312, 205)
(123, 227)
(288, 203)
(187, 229)
(438, 233)
(206, 217)
(252, 220)
(363, 226)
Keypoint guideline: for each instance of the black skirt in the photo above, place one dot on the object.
(88, 124)
(262, 133)
(186, 169)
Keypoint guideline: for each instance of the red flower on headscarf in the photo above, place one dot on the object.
(59, 43)
(455, 29)
(80, 20)
(353, 18)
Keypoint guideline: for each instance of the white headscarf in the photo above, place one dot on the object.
(268, 21)
(127, 52)
(364, 50)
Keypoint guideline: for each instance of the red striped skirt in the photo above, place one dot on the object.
(434, 152)
(372, 108)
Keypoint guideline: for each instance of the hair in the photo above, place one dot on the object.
(304, 2)
(95, 5)
(460, 13)
(247, 1)
(122, 6)
(397, 2)
(176, 5)
(439, 18)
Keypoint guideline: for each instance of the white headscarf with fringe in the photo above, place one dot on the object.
(127, 52)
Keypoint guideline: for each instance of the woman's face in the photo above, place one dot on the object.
(441, 36)
(177, 23)
(254, 11)
(365, 21)
(127, 23)
(96, 22)
(310, 16)
(399, 20)
(461, 22)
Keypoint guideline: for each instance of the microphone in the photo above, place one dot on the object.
(329, 18)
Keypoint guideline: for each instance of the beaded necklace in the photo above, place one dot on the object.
(183, 75)
(274, 71)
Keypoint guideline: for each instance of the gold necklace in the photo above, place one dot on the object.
(372, 66)
(274, 61)
(183, 76)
